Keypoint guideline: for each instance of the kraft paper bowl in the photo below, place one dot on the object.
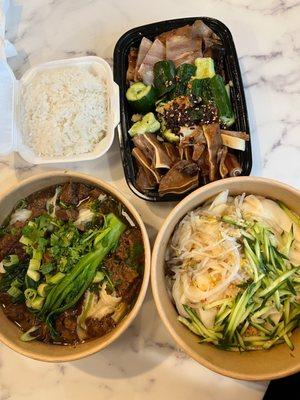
(9, 332)
(275, 363)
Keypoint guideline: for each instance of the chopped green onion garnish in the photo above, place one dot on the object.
(53, 280)
(37, 303)
(34, 275)
(10, 260)
(14, 291)
(27, 336)
(99, 277)
(42, 289)
(30, 294)
(25, 240)
(34, 264)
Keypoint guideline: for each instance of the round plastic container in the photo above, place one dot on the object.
(10, 101)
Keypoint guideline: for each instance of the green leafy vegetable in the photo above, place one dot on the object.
(70, 289)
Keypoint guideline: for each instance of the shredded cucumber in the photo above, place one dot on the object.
(265, 309)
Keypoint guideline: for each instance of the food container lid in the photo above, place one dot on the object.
(8, 83)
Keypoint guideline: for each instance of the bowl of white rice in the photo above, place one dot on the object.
(67, 111)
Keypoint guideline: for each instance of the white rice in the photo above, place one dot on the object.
(64, 111)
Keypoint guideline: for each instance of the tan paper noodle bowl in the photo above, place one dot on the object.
(275, 363)
(9, 332)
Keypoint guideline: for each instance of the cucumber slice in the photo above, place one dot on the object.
(170, 136)
(183, 75)
(222, 101)
(164, 76)
(148, 124)
(141, 97)
(205, 68)
(200, 88)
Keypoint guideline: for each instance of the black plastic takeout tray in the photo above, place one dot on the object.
(133, 38)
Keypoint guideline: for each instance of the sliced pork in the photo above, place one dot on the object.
(143, 50)
(156, 53)
(182, 46)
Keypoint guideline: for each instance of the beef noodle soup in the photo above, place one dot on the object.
(72, 263)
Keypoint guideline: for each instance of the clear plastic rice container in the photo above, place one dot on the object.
(11, 138)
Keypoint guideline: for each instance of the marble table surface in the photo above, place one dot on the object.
(145, 363)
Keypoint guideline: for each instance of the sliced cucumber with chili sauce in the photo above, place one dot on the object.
(141, 97)
(222, 100)
(200, 88)
(183, 75)
(214, 90)
(164, 76)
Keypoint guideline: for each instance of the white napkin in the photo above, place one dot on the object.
(6, 48)
(7, 84)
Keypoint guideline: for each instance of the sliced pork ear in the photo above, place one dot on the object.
(144, 179)
(222, 156)
(172, 152)
(132, 59)
(153, 150)
(203, 165)
(198, 149)
(237, 134)
(192, 134)
(188, 153)
(182, 177)
(143, 50)
(156, 53)
(214, 142)
(140, 142)
(232, 164)
(144, 162)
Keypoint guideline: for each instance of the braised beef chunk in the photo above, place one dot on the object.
(96, 327)
(83, 191)
(124, 264)
(121, 275)
(37, 201)
(18, 249)
(132, 290)
(18, 313)
(69, 195)
(67, 214)
(95, 193)
(66, 325)
(18, 225)
(6, 243)
(131, 248)
(109, 205)
(9, 244)
(47, 257)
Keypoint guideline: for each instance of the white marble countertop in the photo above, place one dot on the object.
(144, 363)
